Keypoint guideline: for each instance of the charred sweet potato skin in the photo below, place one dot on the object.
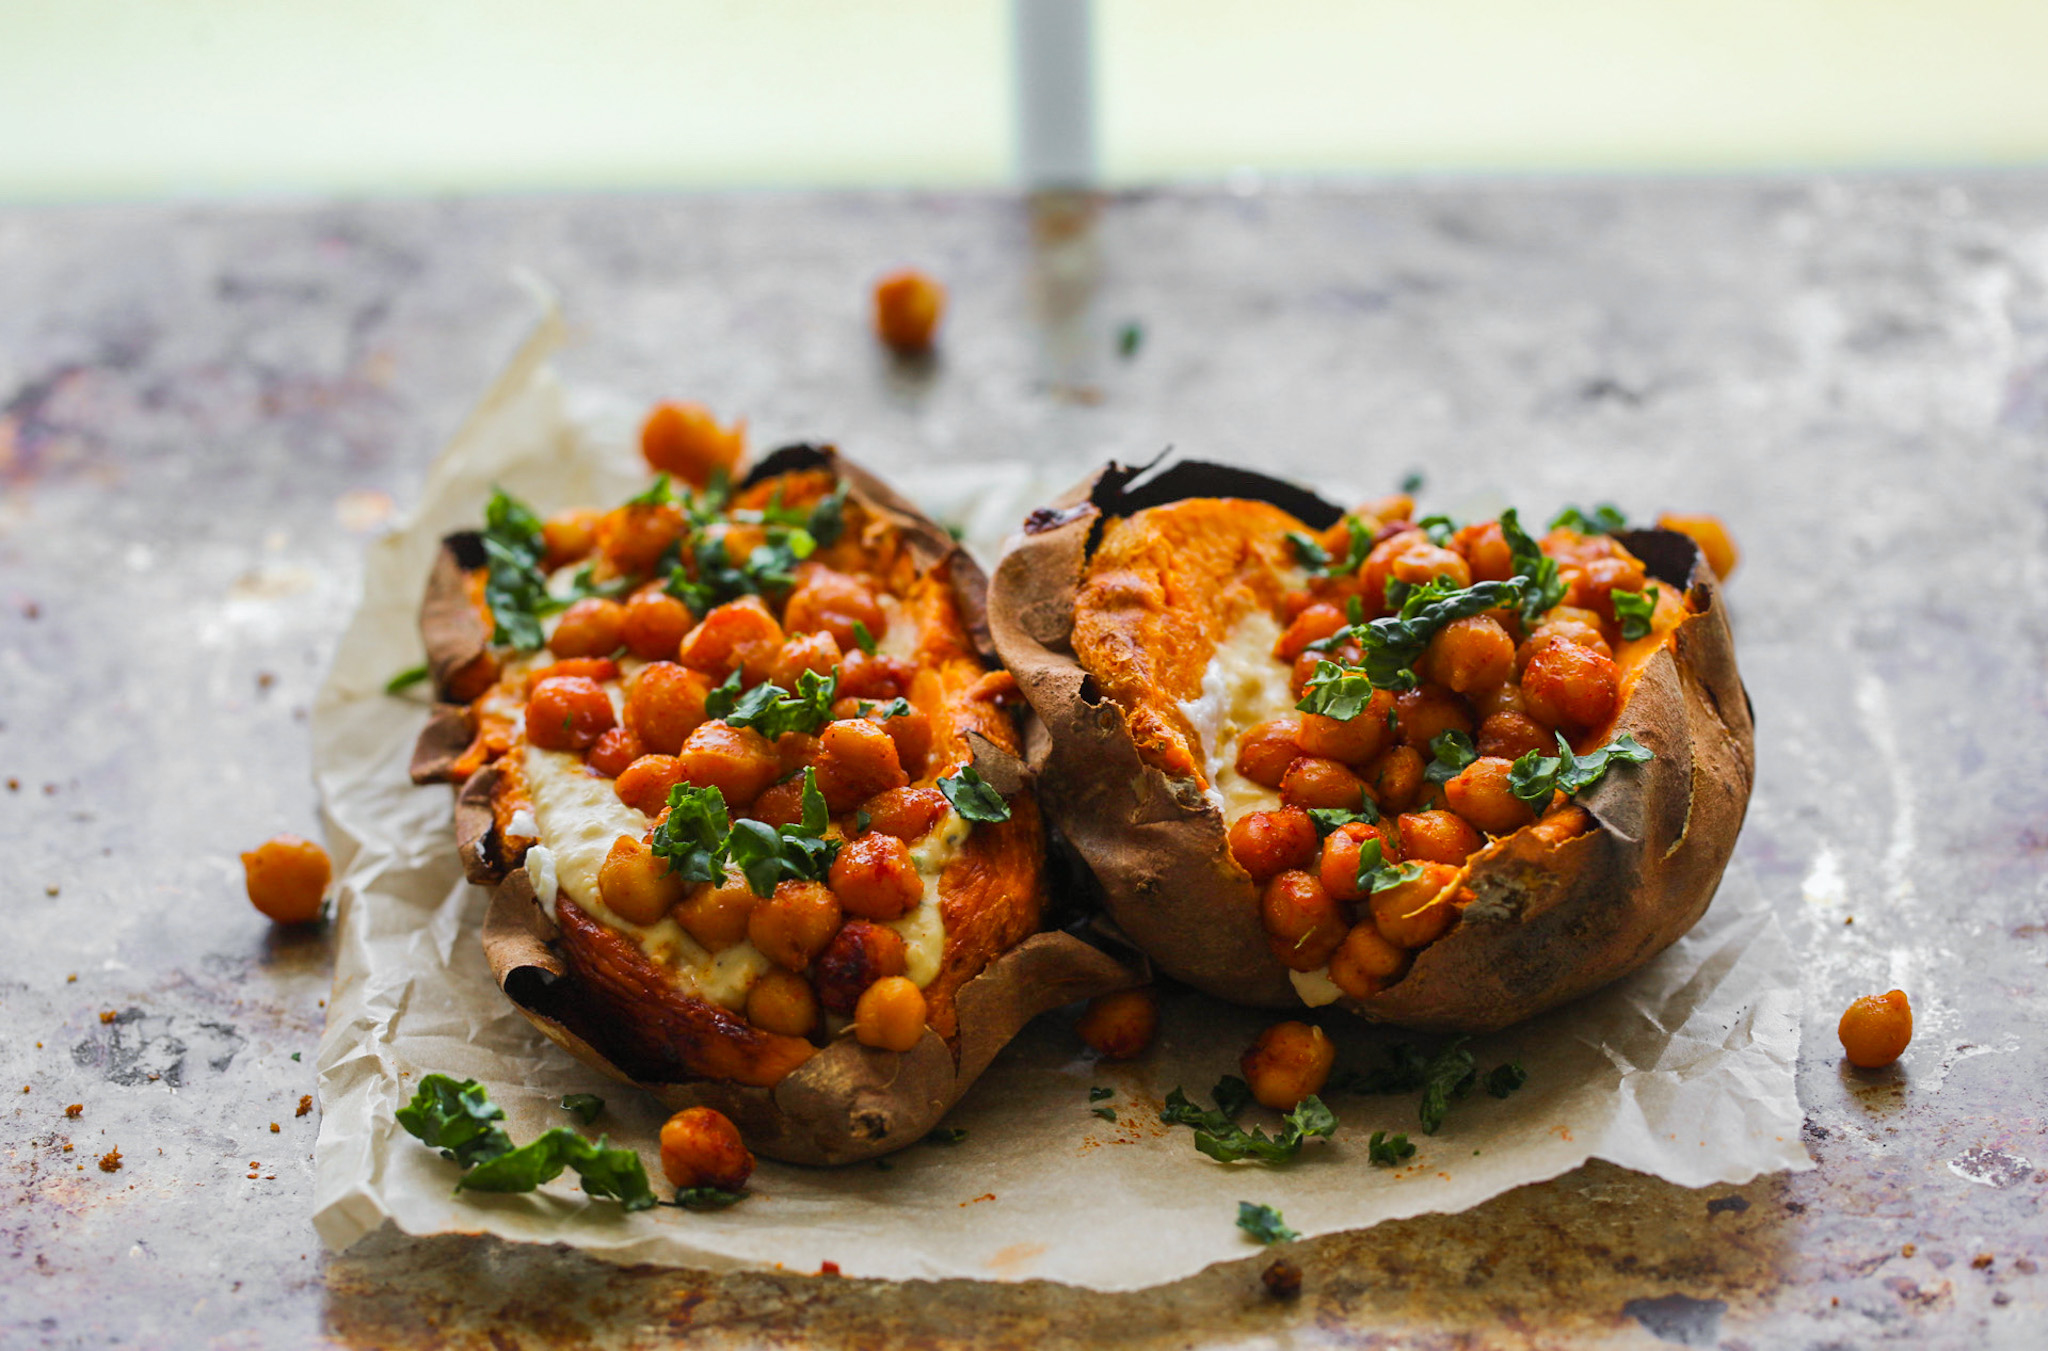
(1549, 913)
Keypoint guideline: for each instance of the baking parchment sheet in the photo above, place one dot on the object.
(1684, 1070)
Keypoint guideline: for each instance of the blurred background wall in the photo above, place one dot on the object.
(146, 98)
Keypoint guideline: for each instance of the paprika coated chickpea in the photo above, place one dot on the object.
(287, 878)
(1471, 654)
(664, 704)
(1437, 837)
(1266, 750)
(856, 760)
(876, 878)
(738, 761)
(644, 784)
(1422, 715)
(1312, 781)
(1355, 741)
(1304, 923)
(568, 537)
(716, 913)
(780, 804)
(1479, 793)
(636, 884)
(1415, 914)
(1486, 552)
(739, 635)
(614, 753)
(654, 625)
(1422, 562)
(1876, 1029)
(1396, 777)
(908, 306)
(685, 440)
(793, 926)
(1338, 870)
(909, 814)
(1594, 585)
(1290, 1061)
(1268, 843)
(634, 537)
(592, 627)
(568, 713)
(1570, 687)
(890, 1015)
(815, 652)
(783, 1002)
(700, 1147)
(1565, 624)
(1312, 625)
(1121, 1024)
(1713, 538)
(864, 675)
(860, 954)
(835, 602)
(1513, 735)
(1365, 963)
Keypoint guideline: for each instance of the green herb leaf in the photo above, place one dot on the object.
(583, 1106)
(1221, 1138)
(1098, 1094)
(711, 1198)
(862, 819)
(1263, 1223)
(973, 797)
(695, 837)
(863, 638)
(615, 1174)
(657, 494)
(1453, 750)
(1128, 339)
(1403, 1072)
(898, 707)
(1502, 1080)
(1354, 608)
(1375, 874)
(1634, 609)
(1106, 1113)
(1308, 552)
(406, 679)
(724, 697)
(1321, 562)
(1533, 777)
(459, 1119)
(828, 518)
(1604, 519)
(766, 855)
(1411, 482)
(1449, 1075)
(1335, 692)
(1330, 819)
(1439, 529)
(1232, 1095)
(772, 710)
(295, 1057)
(1543, 588)
(1394, 643)
(1387, 1151)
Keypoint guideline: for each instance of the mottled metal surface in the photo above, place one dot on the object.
(203, 411)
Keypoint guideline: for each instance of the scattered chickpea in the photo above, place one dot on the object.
(1287, 1063)
(1121, 1025)
(890, 1015)
(907, 309)
(1876, 1029)
(75, 1110)
(287, 878)
(684, 439)
(700, 1147)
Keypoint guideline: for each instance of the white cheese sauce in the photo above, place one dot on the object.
(1242, 687)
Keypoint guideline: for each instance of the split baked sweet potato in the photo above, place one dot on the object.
(746, 781)
(1446, 776)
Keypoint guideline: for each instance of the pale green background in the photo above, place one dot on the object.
(119, 98)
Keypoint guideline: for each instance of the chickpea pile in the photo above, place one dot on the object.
(1506, 686)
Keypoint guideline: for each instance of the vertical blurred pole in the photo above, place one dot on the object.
(1052, 45)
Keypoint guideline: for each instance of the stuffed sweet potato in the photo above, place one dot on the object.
(746, 782)
(1446, 776)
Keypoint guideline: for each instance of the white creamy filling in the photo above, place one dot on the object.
(1315, 987)
(901, 639)
(1242, 687)
(540, 870)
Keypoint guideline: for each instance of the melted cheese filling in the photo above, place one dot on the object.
(1242, 687)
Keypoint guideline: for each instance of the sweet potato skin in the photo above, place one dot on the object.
(1551, 919)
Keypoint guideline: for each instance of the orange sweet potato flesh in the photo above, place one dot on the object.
(1560, 908)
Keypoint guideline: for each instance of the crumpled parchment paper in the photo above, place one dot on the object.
(1683, 1070)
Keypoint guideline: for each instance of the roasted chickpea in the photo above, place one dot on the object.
(1338, 870)
(1505, 698)
(636, 884)
(783, 1002)
(644, 784)
(1289, 1062)
(685, 440)
(1355, 741)
(794, 752)
(911, 730)
(835, 602)
(1712, 537)
(1486, 552)
(568, 713)
(1594, 585)
(875, 877)
(793, 926)
(738, 761)
(592, 627)
(1395, 777)
(633, 538)
(1513, 735)
(1265, 751)
(1479, 793)
(1471, 654)
(856, 760)
(664, 704)
(1312, 625)
(1268, 843)
(1120, 1025)
(700, 1147)
(1366, 963)
(655, 625)
(860, 954)
(890, 1015)
(1304, 923)
(817, 652)
(1437, 837)
(1422, 715)
(780, 804)
(1876, 1029)
(865, 676)
(1421, 563)
(1565, 624)
(908, 305)
(1570, 687)
(909, 814)
(599, 669)
(568, 537)
(738, 635)
(287, 878)
(614, 752)
(1313, 781)
(715, 913)
(1379, 564)
(1416, 914)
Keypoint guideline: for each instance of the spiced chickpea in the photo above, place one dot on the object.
(1304, 923)
(1479, 793)
(1437, 837)
(1565, 624)
(1120, 1025)
(614, 752)
(909, 814)
(1594, 585)
(715, 913)
(1570, 687)
(636, 884)
(633, 538)
(890, 1015)
(568, 537)
(1366, 963)
(875, 676)
(664, 704)
(784, 1003)
(1265, 751)
(793, 926)
(815, 652)
(860, 954)
(911, 730)
(654, 626)
(1379, 564)
(592, 627)
(1421, 563)
(287, 878)
(644, 784)
(1312, 781)
(738, 635)
(1290, 1061)
(1471, 654)
(738, 761)
(599, 669)
(835, 602)
(1312, 625)
(908, 305)
(685, 440)
(1876, 1029)
(700, 1147)
(1713, 538)
(1355, 741)
(793, 752)
(1504, 698)
(1338, 870)
(1513, 735)
(780, 804)
(876, 878)
(1486, 552)
(856, 760)
(568, 713)
(1415, 914)
(1396, 777)
(1422, 715)
(1267, 843)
